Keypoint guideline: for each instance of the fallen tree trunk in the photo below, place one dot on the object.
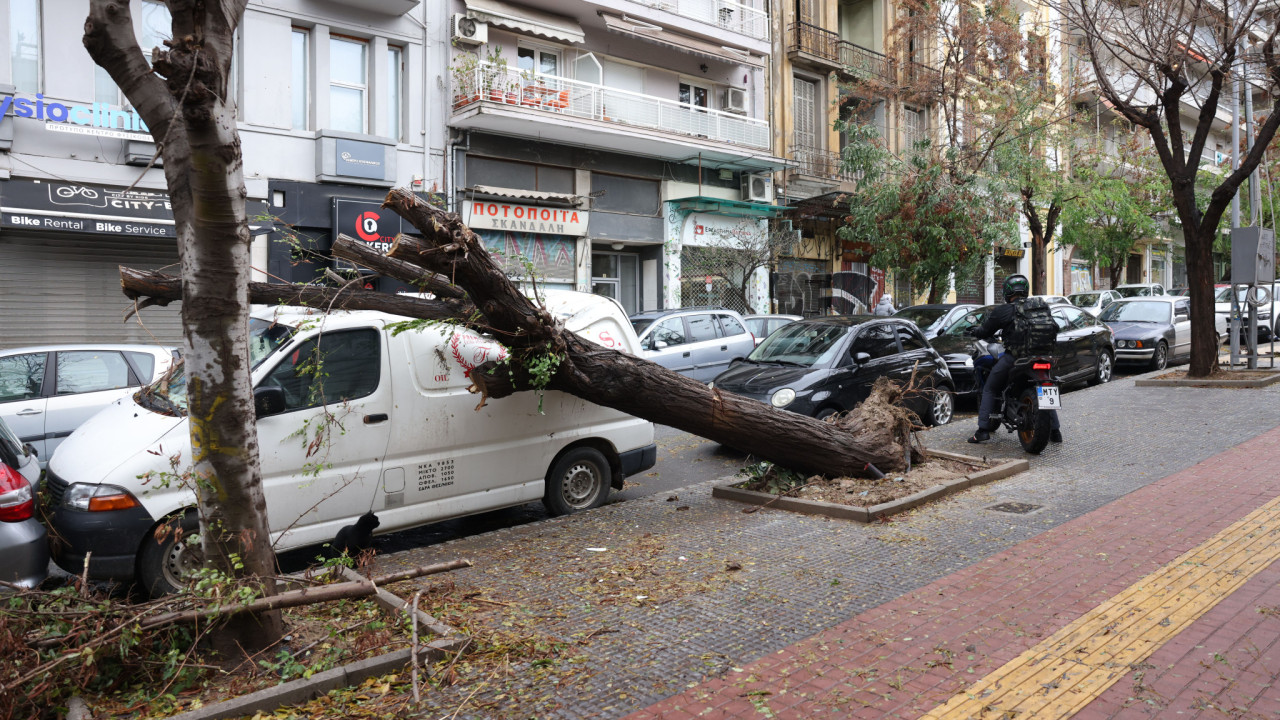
(611, 378)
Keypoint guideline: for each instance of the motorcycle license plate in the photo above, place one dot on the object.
(1048, 396)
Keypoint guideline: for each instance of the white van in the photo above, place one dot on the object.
(405, 442)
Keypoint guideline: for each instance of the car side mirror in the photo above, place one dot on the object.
(861, 358)
(268, 401)
(29, 450)
(659, 344)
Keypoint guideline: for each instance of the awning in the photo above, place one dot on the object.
(568, 199)
(701, 203)
(528, 20)
(683, 43)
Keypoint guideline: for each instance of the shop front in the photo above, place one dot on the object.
(719, 254)
(61, 247)
(1081, 277)
(534, 235)
(1007, 262)
(1159, 264)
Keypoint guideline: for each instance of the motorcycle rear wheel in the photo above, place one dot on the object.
(1033, 425)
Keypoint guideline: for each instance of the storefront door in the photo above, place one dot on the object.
(617, 275)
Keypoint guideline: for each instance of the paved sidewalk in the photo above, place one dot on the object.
(854, 620)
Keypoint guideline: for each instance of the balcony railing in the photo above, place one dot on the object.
(827, 45)
(727, 14)
(487, 83)
(820, 163)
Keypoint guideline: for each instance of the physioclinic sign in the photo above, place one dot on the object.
(98, 119)
(497, 215)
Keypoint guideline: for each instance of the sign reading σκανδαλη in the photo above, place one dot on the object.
(499, 215)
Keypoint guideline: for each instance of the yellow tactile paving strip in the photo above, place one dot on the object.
(1063, 674)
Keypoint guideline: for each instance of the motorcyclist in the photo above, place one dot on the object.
(1000, 320)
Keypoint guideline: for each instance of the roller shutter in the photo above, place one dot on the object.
(57, 289)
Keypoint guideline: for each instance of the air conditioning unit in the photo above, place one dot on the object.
(735, 100)
(757, 188)
(469, 30)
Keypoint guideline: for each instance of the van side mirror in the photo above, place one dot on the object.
(29, 450)
(268, 401)
(861, 358)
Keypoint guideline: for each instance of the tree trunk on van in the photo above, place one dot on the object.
(610, 378)
(181, 94)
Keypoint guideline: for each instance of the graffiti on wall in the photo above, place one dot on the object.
(550, 255)
(807, 288)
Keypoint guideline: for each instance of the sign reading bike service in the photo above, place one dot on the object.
(65, 207)
(497, 215)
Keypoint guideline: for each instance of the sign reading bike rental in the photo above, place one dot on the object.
(67, 207)
(498, 215)
(98, 119)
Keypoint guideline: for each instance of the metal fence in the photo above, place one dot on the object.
(708, 276)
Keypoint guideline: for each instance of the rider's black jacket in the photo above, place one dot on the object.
(1001, 318)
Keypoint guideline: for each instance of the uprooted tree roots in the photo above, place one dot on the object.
(884, 427)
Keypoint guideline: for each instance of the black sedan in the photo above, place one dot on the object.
(822, 366)
(1085, 351)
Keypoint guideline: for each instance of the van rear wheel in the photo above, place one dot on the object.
(167, 557)
(578, 481)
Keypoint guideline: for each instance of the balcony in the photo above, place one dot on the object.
(727, 14)
(505, 101)
(824, 47)
(822, 164)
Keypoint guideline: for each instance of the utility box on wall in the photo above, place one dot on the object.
(1253, 255)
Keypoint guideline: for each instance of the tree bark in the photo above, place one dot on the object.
(611, 378)
(182, 97)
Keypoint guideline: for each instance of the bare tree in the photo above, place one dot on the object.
(1150, 59)
(182, 96)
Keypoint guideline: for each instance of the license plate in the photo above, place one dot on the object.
(1048, 395)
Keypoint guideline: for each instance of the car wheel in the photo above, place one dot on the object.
(1160, 359)
(943, 407)
(578, 481)
(168, 556)
(825, 413)
(1105, 365)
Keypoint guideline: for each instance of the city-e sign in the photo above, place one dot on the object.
(98, 119)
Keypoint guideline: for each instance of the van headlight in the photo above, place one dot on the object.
(782, 398)
(98, 498)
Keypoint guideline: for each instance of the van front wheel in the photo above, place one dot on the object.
(169, 554)
(579, 480)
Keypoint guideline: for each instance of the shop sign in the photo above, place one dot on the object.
(360, 159)
(64, 207)
(512, 217)
(98, 119)
(367, 221)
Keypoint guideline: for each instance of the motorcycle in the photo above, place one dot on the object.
(1032, 391)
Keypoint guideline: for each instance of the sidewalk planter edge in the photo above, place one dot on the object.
(1255, 382)
(875, 512)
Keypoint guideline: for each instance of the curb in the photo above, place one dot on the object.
(304, 689)
(1256, 382)
(876, 512)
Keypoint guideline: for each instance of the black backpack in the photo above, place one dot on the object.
(1034, 329)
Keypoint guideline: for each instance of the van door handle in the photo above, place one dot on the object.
(685, 355)
(30, 411)
(375, 418)
(724, 347)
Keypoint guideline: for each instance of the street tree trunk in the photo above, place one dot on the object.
(1042, 232)
(614, 379)
(182, 97)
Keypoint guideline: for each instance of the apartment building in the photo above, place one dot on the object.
(616, 146)
(334, 108)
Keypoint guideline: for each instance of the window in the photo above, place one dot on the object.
(24, 44)
(144, 364)
(22, 376)
(701, 327)
(348, 74)
(301, 81)
(395, 82)
(154, 26)
(157, 26)
(668, 332)
(538, 60)
(876, 340)
(90, 371)
(517, 175)
(909, 339)
(731, 326)
(618, 193)
(342, 366)
(693, 95)
(804, 94)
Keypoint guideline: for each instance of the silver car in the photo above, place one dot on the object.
(24, 543)
(762, 326)
(1095, 301)
(47, 392)
(696, 342)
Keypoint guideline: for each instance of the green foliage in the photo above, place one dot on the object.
(767, 477)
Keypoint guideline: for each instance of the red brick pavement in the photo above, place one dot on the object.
(905, 657)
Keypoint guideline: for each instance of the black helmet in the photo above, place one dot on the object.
(1016, 286)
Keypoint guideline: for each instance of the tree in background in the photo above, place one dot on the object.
(729, 258)
(1151, 59)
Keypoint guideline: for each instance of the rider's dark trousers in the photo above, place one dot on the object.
(991, 389)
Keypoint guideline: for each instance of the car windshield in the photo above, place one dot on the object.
(1134, 291)
(958, 327)
(169, 394)
(923, 317)
(1224, 294)
(1149, 311)
(1085, 299)
(801, 343)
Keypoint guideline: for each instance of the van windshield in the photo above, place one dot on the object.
(168, 395)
